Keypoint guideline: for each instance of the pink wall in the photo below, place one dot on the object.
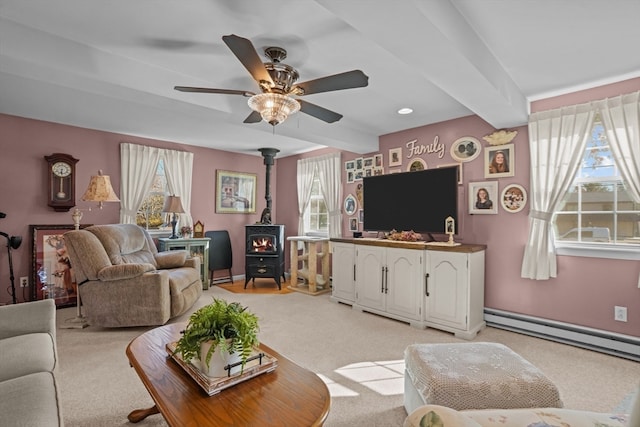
(23, 179)
(584, 292)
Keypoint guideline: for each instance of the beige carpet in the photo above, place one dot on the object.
(99, 388)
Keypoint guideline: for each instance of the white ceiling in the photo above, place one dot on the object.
(112, 65)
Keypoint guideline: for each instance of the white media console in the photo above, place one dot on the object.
(424, 285)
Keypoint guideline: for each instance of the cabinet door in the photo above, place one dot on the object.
(343, 271)
(448, 286)
(404, 282)
(369, 277)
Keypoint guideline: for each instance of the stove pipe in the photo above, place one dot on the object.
(269, 155)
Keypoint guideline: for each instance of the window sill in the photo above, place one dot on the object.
(593, 250)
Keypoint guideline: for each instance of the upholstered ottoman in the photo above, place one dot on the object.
(474, 376)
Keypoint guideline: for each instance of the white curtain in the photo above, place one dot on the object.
(621, 119)
(178, 167)
(306, 170)
(557, 139)
(331, 187)
(138, 165)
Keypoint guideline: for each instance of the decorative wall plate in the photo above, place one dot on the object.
(465, 149)
(350, 205)
(416, 164)
(513, 198)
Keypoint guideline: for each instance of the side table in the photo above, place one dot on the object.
(315, 283)
(196, 246)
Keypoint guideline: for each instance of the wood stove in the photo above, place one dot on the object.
(265, 252)
(265, 241)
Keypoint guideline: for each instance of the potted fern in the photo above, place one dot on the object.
(224, 327)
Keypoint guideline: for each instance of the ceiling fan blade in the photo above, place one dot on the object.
(346, 80)
(211, 90)
(254, 117)
(243, 49)
(319, 112)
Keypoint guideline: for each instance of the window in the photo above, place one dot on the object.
(316, 219)
(150, 215)
(597, 209)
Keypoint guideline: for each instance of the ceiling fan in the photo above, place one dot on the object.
(277, 82)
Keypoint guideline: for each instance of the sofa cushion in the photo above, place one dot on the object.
(171, 259)
(123, 271)
(436, 415)
(26, 354)
(30, 400)
(544, 417)
(125, 244)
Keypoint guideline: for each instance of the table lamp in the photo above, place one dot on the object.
(173, 205)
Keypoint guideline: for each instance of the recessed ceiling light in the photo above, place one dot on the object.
(405, 111)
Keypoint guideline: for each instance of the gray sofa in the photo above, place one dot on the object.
(29, 394)
(125, 281)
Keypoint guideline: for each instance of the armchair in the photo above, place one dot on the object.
(124, 281)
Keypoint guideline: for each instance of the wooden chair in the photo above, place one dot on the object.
(220, 255)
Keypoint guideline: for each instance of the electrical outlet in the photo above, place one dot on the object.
(24, 282)
(620, 313)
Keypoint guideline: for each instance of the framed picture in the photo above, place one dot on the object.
(395, 156)
(349, 165)
(350, 205)
(483, 197)
(416, 164)
(513, 198)
(359, 163)
(459, 165)
(377, 161)
(361, 215)
(378, 171)
(367, 162)
(51, 272)
(465, 149)
(499, 161)
(235, 192)
(353, 224)
(351, 177)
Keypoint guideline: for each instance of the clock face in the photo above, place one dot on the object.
(61, 169)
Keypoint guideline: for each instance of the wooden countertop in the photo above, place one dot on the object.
(421, 245)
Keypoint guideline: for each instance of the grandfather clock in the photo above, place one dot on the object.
(61, 188)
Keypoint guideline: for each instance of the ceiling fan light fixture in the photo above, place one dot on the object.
(273, 107)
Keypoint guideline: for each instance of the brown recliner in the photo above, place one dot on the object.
(124, 281)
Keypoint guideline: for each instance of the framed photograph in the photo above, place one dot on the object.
(353, 224)
(361, 215)
(350, 205)
(367, 162)
(359, 163)
(235, 192)
(378, 171)
(483, 197)
(465, 149)
(416, 164)
(499, 161)
(51, 272)
(377, 161)
(395, 156)
(513, 198)
(351, 177)
(350, 165)
(459, 165)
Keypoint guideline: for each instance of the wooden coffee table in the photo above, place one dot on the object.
(288, 396)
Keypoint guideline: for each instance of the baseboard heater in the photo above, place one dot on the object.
(619, 345)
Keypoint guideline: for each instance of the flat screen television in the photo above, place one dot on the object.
(418, 201)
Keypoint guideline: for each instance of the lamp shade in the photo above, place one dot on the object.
(273, 107)
(172, 204)
(100, 190)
